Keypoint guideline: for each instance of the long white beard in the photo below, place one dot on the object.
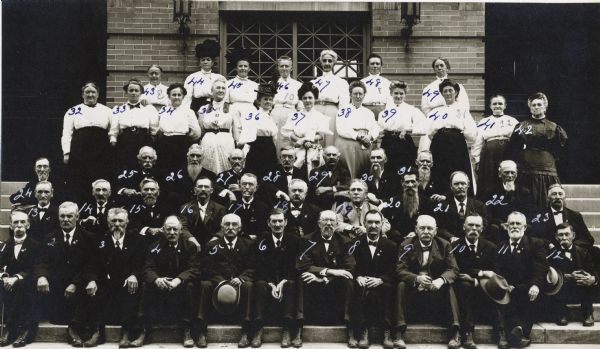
(194, 170)
(509, 186)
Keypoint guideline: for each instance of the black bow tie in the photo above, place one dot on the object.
(42, 209)
(426, 248)
(558, 212)
(372, 243)
(131, 106)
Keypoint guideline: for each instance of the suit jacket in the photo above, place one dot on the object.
(115, 265)
(275, 264)
(525, 267)
(578, 258)
(277, 180)
(254, 216)
(130, 178)
(177, 187)
(224, 264)
(544, 227)
(26, 195)
(162, 260)
(90, 208)
(449, 222)
(41, 227)
(401, 223)
(381, 264)
(305, 223)
(68, 264)
(348, 217)
(142, 216)
(472, 262)
(314, 258)
(389, 184)
(192, 223)
(323, 176)
(441, 262)
(27, 265)
(500, 203)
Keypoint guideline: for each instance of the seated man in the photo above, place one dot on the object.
(276, 182)
(301, 215)
(426, 271)
(251, 210)
(475, 258)
(229, 259)
(148, 214)
(43, 217)
(325, 182)
(381, 182)
(129, 179)
(25, 195)
(424, 164)
(351, 214)
(277, 280)
(93, 214)
(326, 270)
(575, 262)
(19, 260)
(375, 258)
(171, 268)
(522, 261)
(227, 184)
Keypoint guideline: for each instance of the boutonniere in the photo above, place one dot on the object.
(334, 261)
(23, 250)
(378, 253)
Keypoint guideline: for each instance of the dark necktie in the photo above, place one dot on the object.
(118, 244)
(472, 247)
(426, 248)
(461, 212)
(131, 106)
(230, 245)
(67, 238)
(514, 245)
(278, 244)
(557, 213)
(372, 243)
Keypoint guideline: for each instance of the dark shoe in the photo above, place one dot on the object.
(74, 338)
(244, 342)
(352, 343)
(517, 335)
(454, 342)
(297, 341)
(139, 341)
(363, 343)
(93, 341)
(124, 342)
(502, 341)
(202, 342)
(257, 340)
(562, 321)
(4, 339)
(399, 341)
(387, 339)
(524, 342)
(468, 342)
(21, 341)
(188, 342)
(286, 341)
(589, 321)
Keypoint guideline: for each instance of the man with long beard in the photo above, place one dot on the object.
(382, 183)
(402, 210)
(424, 164)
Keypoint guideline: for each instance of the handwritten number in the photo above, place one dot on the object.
(75, 111)
(407, 248)
(296, 116)
(353, 247)
(312, 244)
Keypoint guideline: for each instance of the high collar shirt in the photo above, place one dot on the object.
(18, 245)
(241, 90)
(431, 96)
(287, 92)
(378, 89)
(178, 121)
(257, 123)
(214, 116)
(402, 117)
(120, 240)
(469, 243)
(452, 116)
(156, 94)
(199, 84)
(352, 121)
(332, 89)
(306, 125)
(492, 127)
(81, 116)
(123, 116)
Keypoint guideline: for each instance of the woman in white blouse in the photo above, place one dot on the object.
(432, 95)
(357, 130)
(199, 84)
(493, 135)
(398, 121)
(155, 92)
(305, 129)
(216, 122)
(85, 141)
(333, 92)
(286, 100)
(241, 91)
(259, 133)
(177, 129)
(132, 126)
(450, 128)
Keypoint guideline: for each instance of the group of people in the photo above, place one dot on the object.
(290, 203)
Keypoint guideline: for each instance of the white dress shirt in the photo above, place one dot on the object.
(199, 84)
(378, 90)
(156, 94)
(178, 121)
(492, 127)
(81, 116)
(333, 89)
(431, 96)
(356, 120)
(123, 116)
(402, 117)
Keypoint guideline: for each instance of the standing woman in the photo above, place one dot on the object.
(241, 91)
(259, 133)
(286, 100)
(535, 146)
(357, 130)
(494, 132)
(397, 121)
(85, 142)
(378, 87)
(216, 122)
(432, 95)
(155, 92)
(178, 128)
(450, 127)
(132, 126)
(333, 92)
(199, 84)
(306, 128)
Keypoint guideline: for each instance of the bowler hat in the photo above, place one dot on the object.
(553, 282)
(496, 288)
(225, 298)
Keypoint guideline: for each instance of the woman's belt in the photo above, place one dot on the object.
(497, 138)
(325, 103)
(217, 130)
(135, 130)
(394, 133)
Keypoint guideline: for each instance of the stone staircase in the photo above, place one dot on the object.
(583, 198)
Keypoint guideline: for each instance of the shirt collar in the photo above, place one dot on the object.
(247, 202)
(458, 202)
(328, 74)
(518, 241)
(276, 239)
(423, 245)
(232, 241)
(120, 239)
(43, 207)
(476, 243)
(21, 240)
(203, 207)
(72, 232)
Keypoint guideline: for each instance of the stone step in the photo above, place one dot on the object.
(7, 188)
(584, 204)
(582, 190)
(592, 219)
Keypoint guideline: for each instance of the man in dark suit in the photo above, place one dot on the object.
(43, 217)
(451, 212)
(326, 182)
(426, 271)
(276, 182)
(25, 196)
(147, 216)
(522, 261)
(326, 270)
(277, 280)
(251, 210)
(402, 210)
(172, 266)
(475, 258)
(544, 224)
(374, 274)
(202, 217)
(128, 179)
(93, 214)
(227, 184)
(381, 183)
(230, 259)
(424, 164)
(351, 214)
(301, 215)
(577, 266)
(505, 198)
(117, 266)
(19, 260)
(62, 275)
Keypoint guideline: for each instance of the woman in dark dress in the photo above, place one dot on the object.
(535, 145)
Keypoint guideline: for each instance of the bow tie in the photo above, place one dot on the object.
(426, 248)
(19, 242)
(558, 212)
(42, 209)
(131, 106)
(372, 243)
